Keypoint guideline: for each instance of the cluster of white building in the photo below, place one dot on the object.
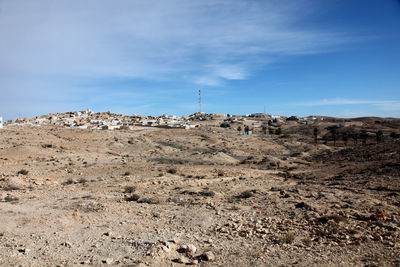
(110, 121)
(103, 121)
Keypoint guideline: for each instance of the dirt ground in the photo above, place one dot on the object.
(206, 196)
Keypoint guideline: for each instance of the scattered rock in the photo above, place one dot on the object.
(108, 261)
(193, 262)
(303, 205)
(190, 249)
(66, 244)
(208, 256)
(182, 259)
(24, 250)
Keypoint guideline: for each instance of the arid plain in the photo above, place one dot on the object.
(207, 196)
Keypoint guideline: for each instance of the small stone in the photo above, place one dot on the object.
(176, 240)
(166, 249)
(193, 262)
(191, 249)
(24, 250)
(208, 256)
(66, 244)
(109, 261)
(182, 260)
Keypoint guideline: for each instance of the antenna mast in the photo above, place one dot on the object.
(200, 100)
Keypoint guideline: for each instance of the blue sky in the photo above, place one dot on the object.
(297, 57)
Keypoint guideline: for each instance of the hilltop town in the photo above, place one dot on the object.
(98, 188)
(111, 121)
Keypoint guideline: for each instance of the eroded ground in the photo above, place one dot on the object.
(207, 196)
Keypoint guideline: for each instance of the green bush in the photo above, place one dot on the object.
(225, 125)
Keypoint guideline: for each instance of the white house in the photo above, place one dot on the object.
(1, 122)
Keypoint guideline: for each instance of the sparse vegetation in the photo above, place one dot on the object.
(355, 136)
(129, 189)
(379, 136)
(82, 180)
(270, 130)
(345, 138)
(69, 181)
(133, 197)
(334, 135)
(152, 200)
(11, 188)
(235, 193)
(364, 136)
(207, 193)
(264, 129)
(246, 194)
(395, 135)
(307, 241)
(288, 238)
(11, 199)
(315, 134)
(325, 138)
(335, 218)
(225, 125)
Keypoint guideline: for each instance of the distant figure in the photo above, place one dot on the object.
(246, 130)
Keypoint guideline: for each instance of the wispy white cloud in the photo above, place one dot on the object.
(60, 45)
(149, 39)
(385, 105)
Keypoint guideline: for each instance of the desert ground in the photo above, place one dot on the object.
(208, 196)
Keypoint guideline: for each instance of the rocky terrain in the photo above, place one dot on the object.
(208, 196)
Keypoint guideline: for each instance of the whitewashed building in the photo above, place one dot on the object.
(1, 122)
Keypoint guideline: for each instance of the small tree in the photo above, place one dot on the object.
(364, 136)
(264, 129)
(239, 128)
(270, 130)
(225, 125)
(334, 135)
(379, 136)
(278, 131)
(394, 135)
(354, 136)
(345, 137)
(325, 138)
(315, 133)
